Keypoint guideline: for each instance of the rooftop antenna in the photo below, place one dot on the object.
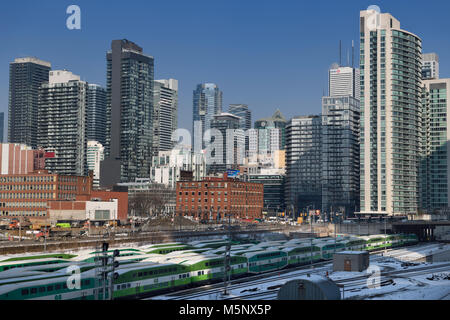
(348, 58)
(353, 53)
(340, 53)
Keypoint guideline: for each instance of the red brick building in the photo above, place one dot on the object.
(204, 199)
(27, 195)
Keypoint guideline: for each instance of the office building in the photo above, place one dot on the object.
(391, 66)
(227, 150)
(243, 112)
(129, 106)
(343, 81)
(62, 123)
(26, 75)
(277, 121)
(207, 103)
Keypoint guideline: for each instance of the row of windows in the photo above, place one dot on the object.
(28, 179)
(50, 288)
(154, 272)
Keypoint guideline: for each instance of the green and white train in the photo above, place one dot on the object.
(143, 273)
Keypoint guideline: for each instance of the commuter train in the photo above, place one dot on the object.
(156, 269)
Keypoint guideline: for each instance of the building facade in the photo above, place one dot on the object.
(390, 116)
(277, 121)
(344, 81)
(207, 103)
(430, 66)
(28, 195)
(96, 113)
(273, 186)
(95, 155)
(340, 154)
(303, 187)
(62, 123)
(215, 198)
(129, 106)
(243, 112)
(168, 166)
(26, 75)
(18, 158)
(227, 147)
(435, 153)
(165, 114)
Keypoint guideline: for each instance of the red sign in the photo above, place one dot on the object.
(49, 155)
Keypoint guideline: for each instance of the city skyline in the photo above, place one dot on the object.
(294, 67)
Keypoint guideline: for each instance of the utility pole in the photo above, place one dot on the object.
(45, 239)
(227, 260)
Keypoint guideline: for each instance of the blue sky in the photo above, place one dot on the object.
(267, 54)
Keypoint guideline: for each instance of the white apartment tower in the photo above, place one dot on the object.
(391, 65)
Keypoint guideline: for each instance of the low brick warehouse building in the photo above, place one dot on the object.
(213, 195)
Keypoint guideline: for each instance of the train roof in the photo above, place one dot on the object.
(29, 261)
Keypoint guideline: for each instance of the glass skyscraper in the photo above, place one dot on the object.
(303, 164)
(340, 154)
(435, 152)
(96, 113)
(129, 106)
(207, 103)
(26, 75)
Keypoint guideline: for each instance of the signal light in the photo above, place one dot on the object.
(116, 276)
(116, 253)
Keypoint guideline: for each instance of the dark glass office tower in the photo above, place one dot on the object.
(129, 105)
(26, 75)
(96, 113)
(207, 104)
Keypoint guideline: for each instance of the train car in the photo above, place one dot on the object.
(302, 254)
(28, 263)
(159, 245)
(37, 257)
(205, 269)
(265, 261)
(328, 248)
(123, 252)
(165, 250)
(355, 244)
(150, 279)
(374, 242)
(56, 288)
